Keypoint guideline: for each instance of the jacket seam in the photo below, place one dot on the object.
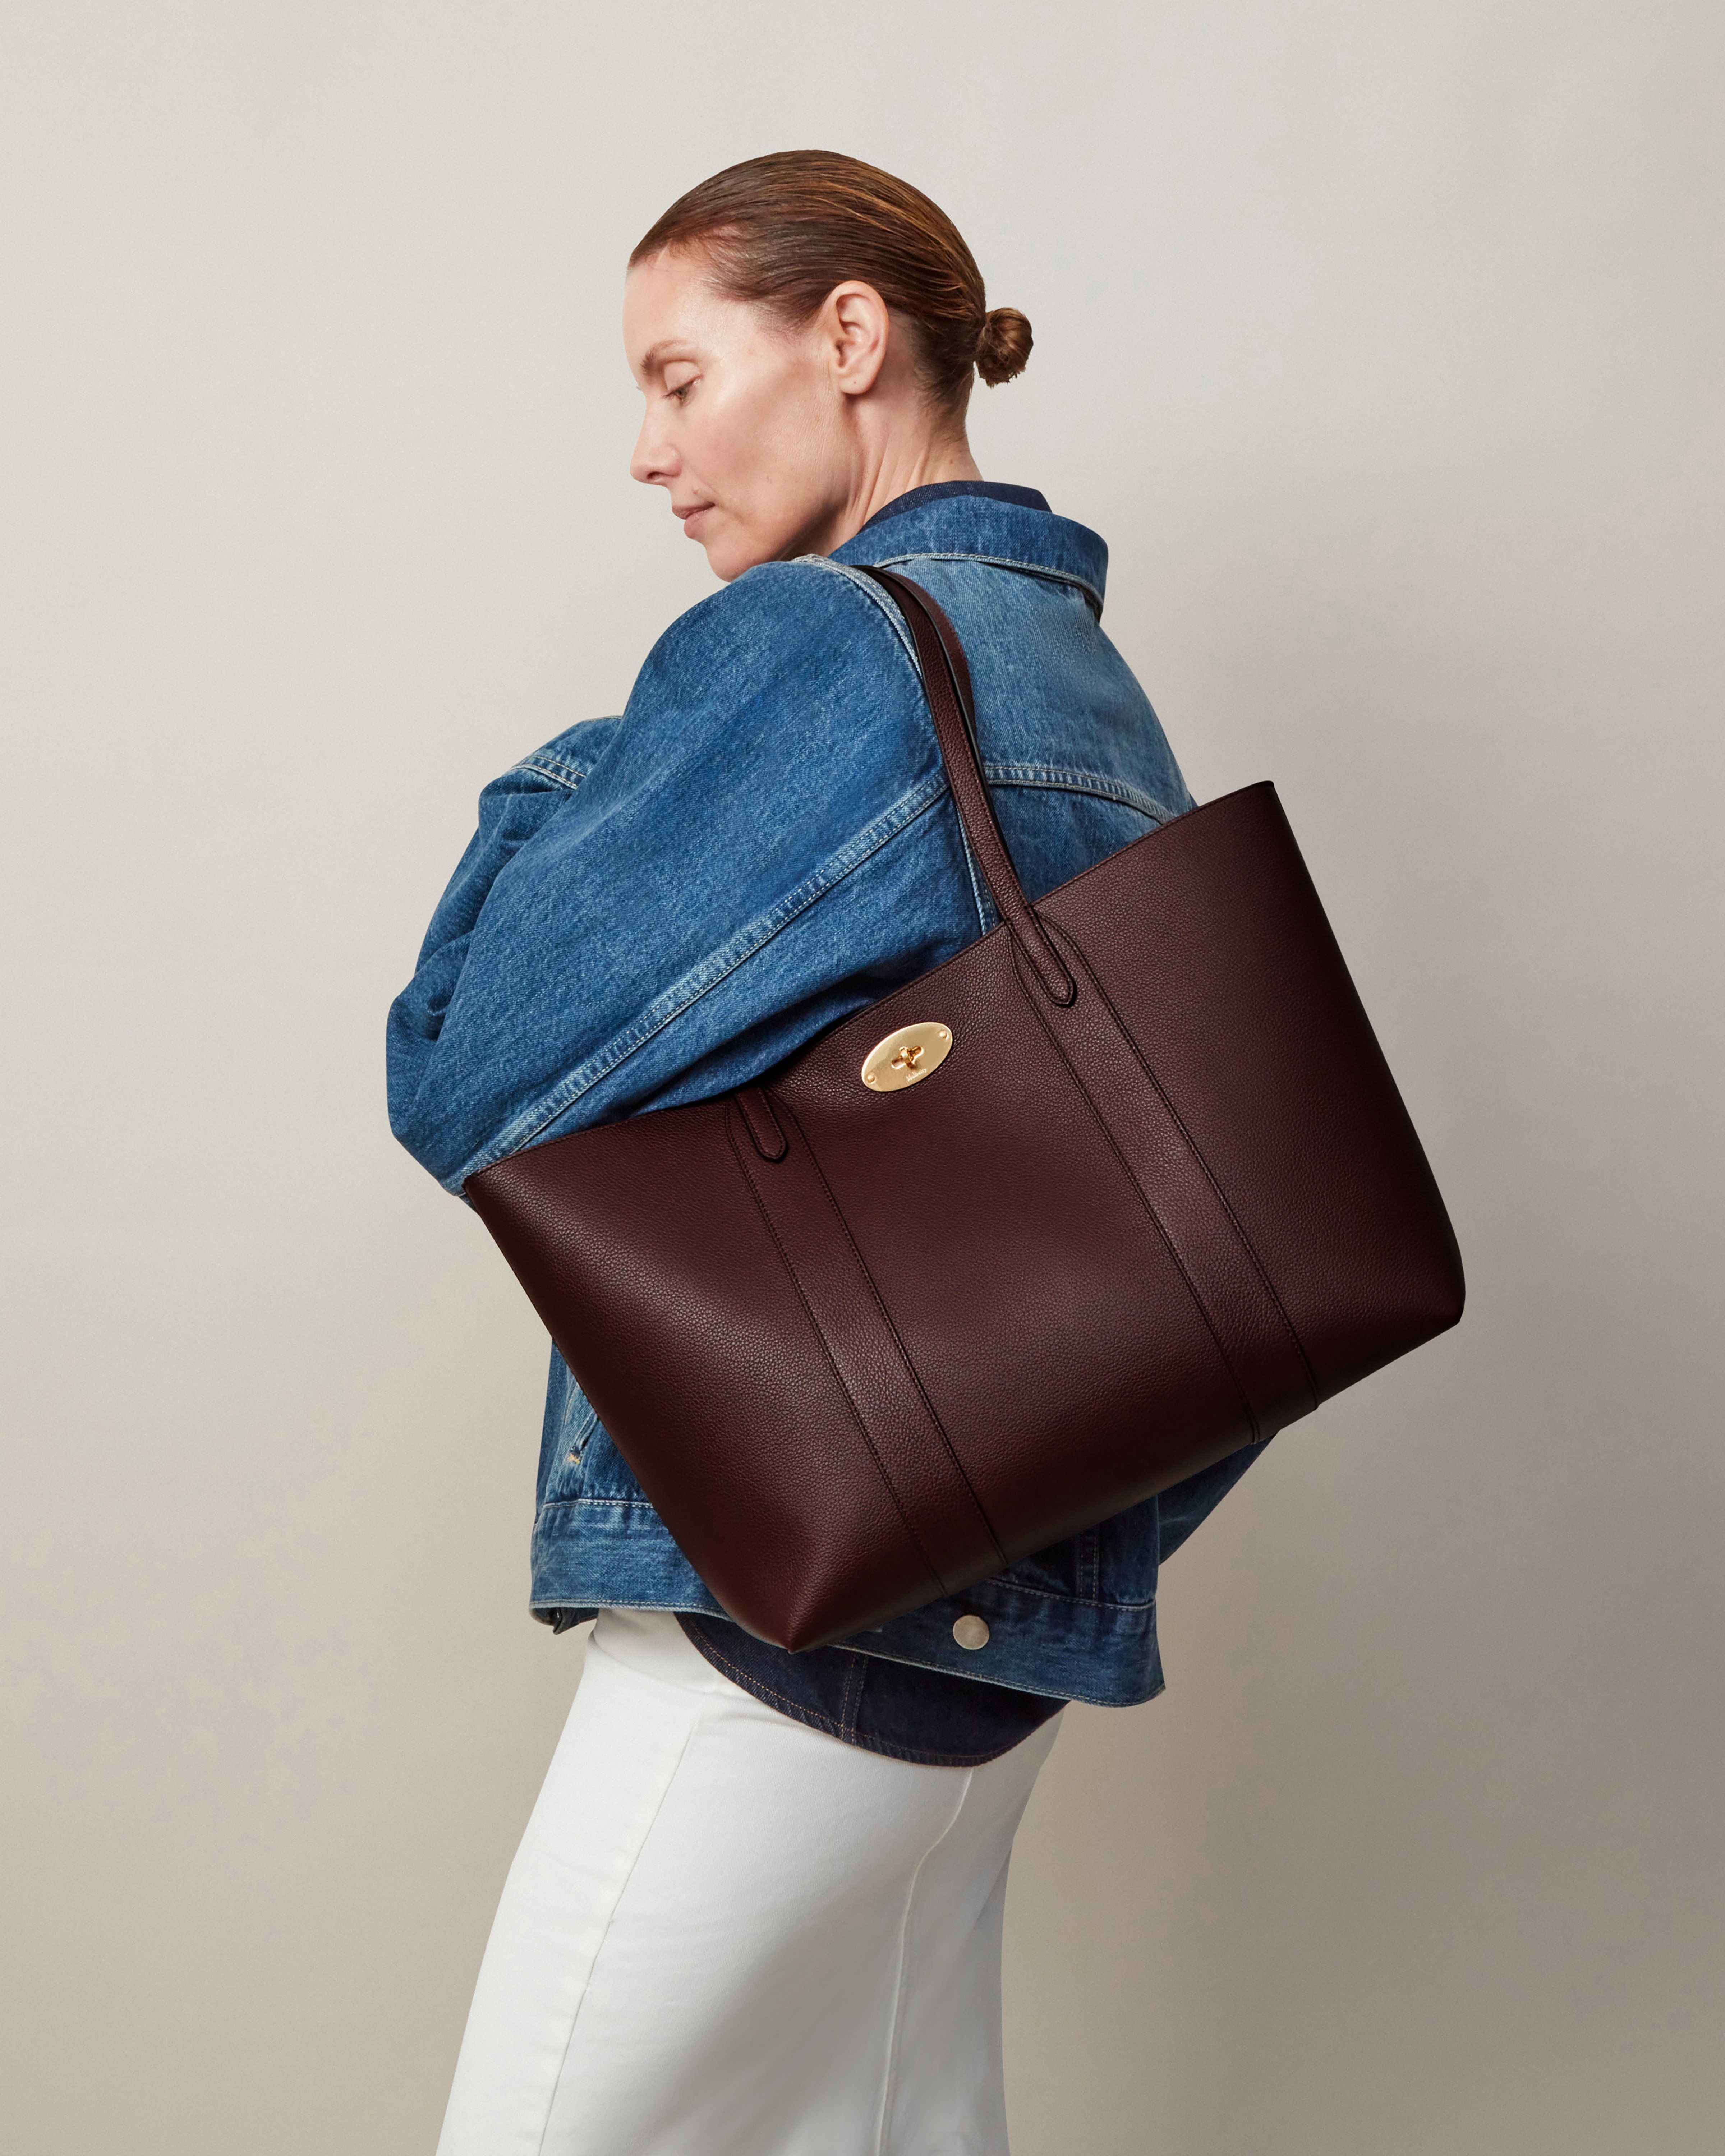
(1067, 780)
(574, 1434)
(1088, 1696)
(994, 561)
(870, 589)
(568, 775)
(1070, 779)
(850, 1709)
(866, 587)
(1054, 1595)
(993, 1584)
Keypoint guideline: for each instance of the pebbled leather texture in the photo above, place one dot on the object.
(1162, 1196)
(922, 1475)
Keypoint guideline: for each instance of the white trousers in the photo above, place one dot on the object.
(727, 1934)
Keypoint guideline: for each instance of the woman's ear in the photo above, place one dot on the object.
(856, 326)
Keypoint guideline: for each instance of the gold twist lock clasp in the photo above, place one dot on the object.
(907, 1057)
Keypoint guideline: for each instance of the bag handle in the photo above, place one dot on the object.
(946, 682)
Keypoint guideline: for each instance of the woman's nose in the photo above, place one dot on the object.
(654, 463)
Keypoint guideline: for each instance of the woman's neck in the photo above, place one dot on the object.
(901, 466)
(934, 464)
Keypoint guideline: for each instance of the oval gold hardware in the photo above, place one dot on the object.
(906, 1056)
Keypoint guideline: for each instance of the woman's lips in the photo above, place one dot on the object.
(691, 517)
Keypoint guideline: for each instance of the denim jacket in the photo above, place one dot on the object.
(659, 906)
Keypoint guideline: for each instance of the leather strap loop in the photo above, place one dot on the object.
(945, 680)
(769, 1140)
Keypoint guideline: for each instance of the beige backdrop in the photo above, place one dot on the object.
(1382, 344)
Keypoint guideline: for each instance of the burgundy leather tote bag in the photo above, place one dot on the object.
(1122, 1186)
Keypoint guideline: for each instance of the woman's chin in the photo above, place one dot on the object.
(729, 553)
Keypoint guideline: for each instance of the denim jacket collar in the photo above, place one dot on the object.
(972, 527)
(946, 489)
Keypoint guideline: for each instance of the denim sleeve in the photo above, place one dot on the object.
(1187, 1505)
(763, 842)
(511, 810)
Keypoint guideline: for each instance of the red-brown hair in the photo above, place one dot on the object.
(783, 230)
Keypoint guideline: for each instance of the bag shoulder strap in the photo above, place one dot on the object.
(946, 682)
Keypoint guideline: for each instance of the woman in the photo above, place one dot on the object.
(757, 1908)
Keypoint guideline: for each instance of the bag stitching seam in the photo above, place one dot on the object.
(886, 1319)
(1144, 1197)
(820, 1335)
(1192, 1146)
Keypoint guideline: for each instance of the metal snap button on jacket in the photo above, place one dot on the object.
(971, 1632)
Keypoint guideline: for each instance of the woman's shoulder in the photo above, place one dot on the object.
(796, 629)
(808, 618)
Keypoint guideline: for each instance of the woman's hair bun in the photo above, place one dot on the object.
(781, 231)
(1005, 345)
